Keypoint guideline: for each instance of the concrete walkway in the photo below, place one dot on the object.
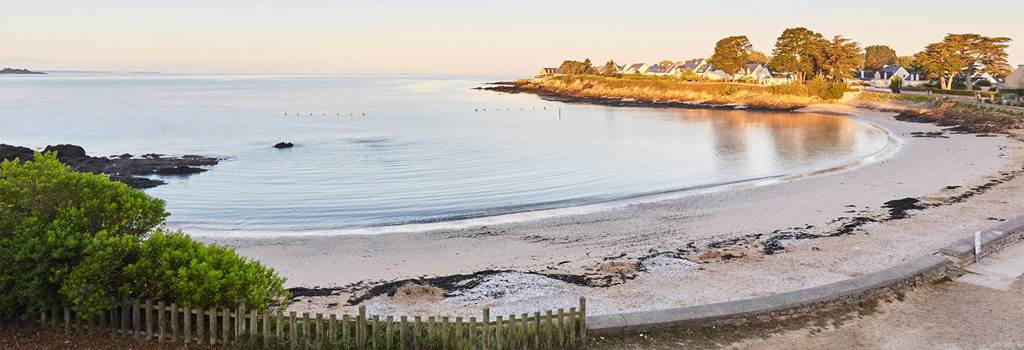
(998, 271)
(983, 309)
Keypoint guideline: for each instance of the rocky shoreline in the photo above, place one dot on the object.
(125, 168)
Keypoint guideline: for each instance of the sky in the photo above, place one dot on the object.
(450, 37)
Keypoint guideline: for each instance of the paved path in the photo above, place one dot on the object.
(998, 271)
(983, 309)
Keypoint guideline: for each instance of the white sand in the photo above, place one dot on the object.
(922, 167)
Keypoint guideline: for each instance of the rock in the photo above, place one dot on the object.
(123, 168)
(66, 152)
(179, 170)
(8, 152)
(137, 182)
(283, 145)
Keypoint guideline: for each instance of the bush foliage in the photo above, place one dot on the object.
(70, 239)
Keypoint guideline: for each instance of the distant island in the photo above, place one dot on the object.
(18, 71)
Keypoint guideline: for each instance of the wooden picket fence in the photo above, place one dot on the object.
(552, 329)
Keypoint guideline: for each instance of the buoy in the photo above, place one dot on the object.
(285, 114)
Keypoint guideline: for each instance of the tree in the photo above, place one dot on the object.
(956, 53)
(877, 56)
(576, 67)
(896, 85)
(841, 58)
(759, 57)
(609, 68)
(906, 62)
(798, 51)
(731, 54)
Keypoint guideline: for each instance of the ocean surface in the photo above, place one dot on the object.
(374, 151)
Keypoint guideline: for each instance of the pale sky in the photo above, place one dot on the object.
(450, 37)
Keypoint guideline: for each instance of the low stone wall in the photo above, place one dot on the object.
(947, 262)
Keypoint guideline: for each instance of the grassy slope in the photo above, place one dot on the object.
(782, 97)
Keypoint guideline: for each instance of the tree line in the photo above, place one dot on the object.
(808, 55)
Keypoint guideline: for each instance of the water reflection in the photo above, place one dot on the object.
(763, 140)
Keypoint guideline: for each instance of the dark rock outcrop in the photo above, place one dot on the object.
(123, 168)
(283, 145)
(8, 152)
(179, 170)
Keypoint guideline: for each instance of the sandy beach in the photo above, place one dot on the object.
(700, 248)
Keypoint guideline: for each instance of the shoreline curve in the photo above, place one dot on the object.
(892, 146)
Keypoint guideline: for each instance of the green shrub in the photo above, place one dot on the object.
(174, 267)
(826, 90)
(70, 239)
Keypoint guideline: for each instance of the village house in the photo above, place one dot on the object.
(1016, 79)
(883, 77)
(659, 69)
(549, 71)
(635, 68)
(754, 72)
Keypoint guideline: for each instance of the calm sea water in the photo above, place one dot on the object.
(388, 150)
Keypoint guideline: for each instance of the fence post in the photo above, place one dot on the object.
(524, 338)
(67, 320)
(305, 330)
(200, 329)
(240, 320)
(486, 329)
(160, 320)
(292, 332)
(513, 335)
(573, 323)
(417, 336)
(213, 325)
(537, 330)
(266, 328)
(188, 324)
(253, 324)
(361, 328)
(319, 336)
(332, 330)
(278, 318)
(346, 332)
(136, 319)
(403, 325)
(226, 326)
(375, 332)
(499, 329)
(125, 313)
(583, 321)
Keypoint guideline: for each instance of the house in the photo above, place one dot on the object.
(635, 68)
(549, 71)
(754, 72)
(780, 79)
(658, 69)
(1016, 79)
(698, 66)
(883, 77)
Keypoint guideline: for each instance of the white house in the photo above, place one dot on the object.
(660, 69)
(883, 77)
(1016, 79)
(635, 68)
(754, 72)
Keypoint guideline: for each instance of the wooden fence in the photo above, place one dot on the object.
(552, 329)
